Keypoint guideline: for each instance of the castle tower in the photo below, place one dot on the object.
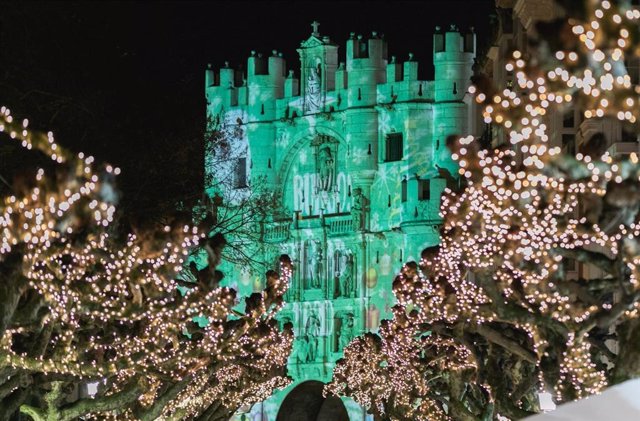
(366, 68)
(366, 64)
(350, 150)
(453, 55)
(265, 84)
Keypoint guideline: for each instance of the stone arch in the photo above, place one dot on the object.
(306, 403)
(300, 142)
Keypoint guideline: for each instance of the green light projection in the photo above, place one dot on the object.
(350, 215)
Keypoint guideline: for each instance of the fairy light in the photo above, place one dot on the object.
(505, 237)
(113, 304)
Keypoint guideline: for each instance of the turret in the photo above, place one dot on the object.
(265, 84)
(453, 54)
(220, 88)
(209, 76)
(366, 68)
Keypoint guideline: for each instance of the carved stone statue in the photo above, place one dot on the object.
(346, 331)
(326, 168)
(312, 330)
(318, 263)
(346, 278)
(357, 209)
(313, 100)
(302, 354)
(309, 264)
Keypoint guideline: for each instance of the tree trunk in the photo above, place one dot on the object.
(628, 363)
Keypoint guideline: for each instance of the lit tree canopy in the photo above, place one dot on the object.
(82, 302)
(488, 318)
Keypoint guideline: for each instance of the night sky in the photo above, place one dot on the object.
(125, 81)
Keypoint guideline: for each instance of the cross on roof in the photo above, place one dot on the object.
(315, 25)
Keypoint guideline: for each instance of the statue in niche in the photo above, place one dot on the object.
(338, 268)
(312, 332)
(313, 100)
(309, 264)
(346, 278)
(357, 209)
(346, 331)
(326, 168)
(302, 350)
(315, 283)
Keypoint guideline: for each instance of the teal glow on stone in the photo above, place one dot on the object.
(354, 149)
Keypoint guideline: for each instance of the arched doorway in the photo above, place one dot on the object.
(306, 403)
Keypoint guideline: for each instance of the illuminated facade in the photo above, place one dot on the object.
(354, 149)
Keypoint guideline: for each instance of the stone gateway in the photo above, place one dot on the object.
(355, 148)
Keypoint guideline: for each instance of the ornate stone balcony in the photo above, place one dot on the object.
(278, 231)
(340, 225)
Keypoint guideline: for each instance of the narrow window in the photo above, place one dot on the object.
(424, 190)
(404, 189)
(393, 147)
(240, 179)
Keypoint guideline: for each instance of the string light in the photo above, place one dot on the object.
(495, 290)
(112, 304)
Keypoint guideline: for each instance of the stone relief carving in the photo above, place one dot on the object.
(313, 100)
(312, 332)
(346, 331)
(358, 209)
(313, 264)
(343, 263)
(346, 278)
(326, 170)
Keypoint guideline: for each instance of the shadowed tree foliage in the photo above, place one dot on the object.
(87, 297)
(489, 318)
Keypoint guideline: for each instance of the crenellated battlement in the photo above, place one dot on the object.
(366, 52)
(269, 89)
(354, 145)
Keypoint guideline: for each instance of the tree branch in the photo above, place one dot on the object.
(155, 410)
(594, 258)
(105, 403)
(508, 344)
(35, 413)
